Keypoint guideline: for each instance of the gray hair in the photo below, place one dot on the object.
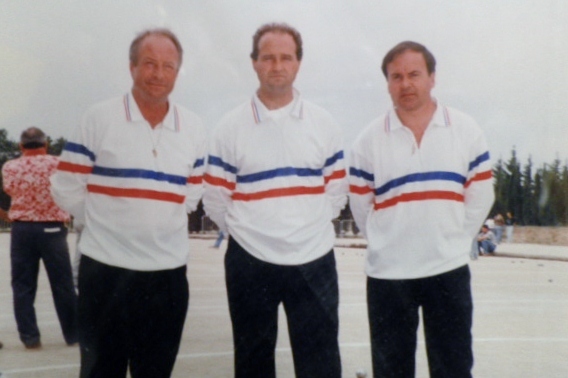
(135, 45)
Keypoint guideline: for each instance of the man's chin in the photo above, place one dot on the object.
(408, 103)
(157, 96)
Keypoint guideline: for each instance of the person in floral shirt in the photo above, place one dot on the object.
(38, 233)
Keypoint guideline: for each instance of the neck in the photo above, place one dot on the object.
(417, 120)
(275, 100)
(34, 151)
(153, 111)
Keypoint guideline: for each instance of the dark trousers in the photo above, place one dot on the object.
(447, 309)
(30, 243)
(309, 294)
(130, 319)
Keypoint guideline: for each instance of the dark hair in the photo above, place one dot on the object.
(32, 138)
(276, 28)
(135, 45)
(409, 45)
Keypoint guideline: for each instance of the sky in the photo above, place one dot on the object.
(504, 62)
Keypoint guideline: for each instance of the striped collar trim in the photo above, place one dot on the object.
(441, 117)
(260, 112)
(132, 113)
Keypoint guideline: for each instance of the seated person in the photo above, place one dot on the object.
(486, 240)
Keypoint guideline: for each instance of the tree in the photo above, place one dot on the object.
(499, 184)
(564, 191)
(529, 213)
(55, 148)
(513, 186)
(8, 150)
(556, 197)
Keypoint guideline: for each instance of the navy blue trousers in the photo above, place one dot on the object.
(30, 243)
(130, 320)
(310, 296)
(447, 307)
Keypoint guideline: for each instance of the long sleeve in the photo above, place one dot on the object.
(69, 182)
(195, 180)
(361, 187)
(220, 182)
(336, 185)
(479, 193)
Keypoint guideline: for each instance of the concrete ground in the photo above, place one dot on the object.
(520, 321)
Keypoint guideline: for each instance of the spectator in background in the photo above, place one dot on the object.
(499, 225)
(486, 241)
(219, 239)
(38, 233)
(490, 222)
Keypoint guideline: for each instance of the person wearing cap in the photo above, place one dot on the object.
(38, 233)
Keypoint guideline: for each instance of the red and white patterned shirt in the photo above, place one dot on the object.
(26, 180)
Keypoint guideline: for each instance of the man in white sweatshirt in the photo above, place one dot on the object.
(275, 179)
(420, 188)
(130, 174)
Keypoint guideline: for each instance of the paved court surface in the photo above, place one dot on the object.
(520, 321)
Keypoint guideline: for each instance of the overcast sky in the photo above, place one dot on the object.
(505, 62)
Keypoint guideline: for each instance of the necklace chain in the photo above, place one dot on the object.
(157, 141)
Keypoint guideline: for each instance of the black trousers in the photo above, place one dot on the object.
(310, 296)
(30, 243)
(447, 309)
(130, 319)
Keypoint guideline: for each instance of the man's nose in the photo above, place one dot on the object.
(158, 71)
(277, 65)
(405, 82)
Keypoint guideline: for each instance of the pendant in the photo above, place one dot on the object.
(155, 152)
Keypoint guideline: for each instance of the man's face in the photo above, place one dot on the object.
(277, 64)
(409, 82)
(155, 73)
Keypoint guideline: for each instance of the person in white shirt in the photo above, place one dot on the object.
(274, 181)
(420, 188)
(131, 174)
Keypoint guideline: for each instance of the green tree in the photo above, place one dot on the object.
(8, 150)
(514, 186)
(556, 198)
(564, 186)
(529, 214)
(55, 148)
(499, 184)
(547, 213)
